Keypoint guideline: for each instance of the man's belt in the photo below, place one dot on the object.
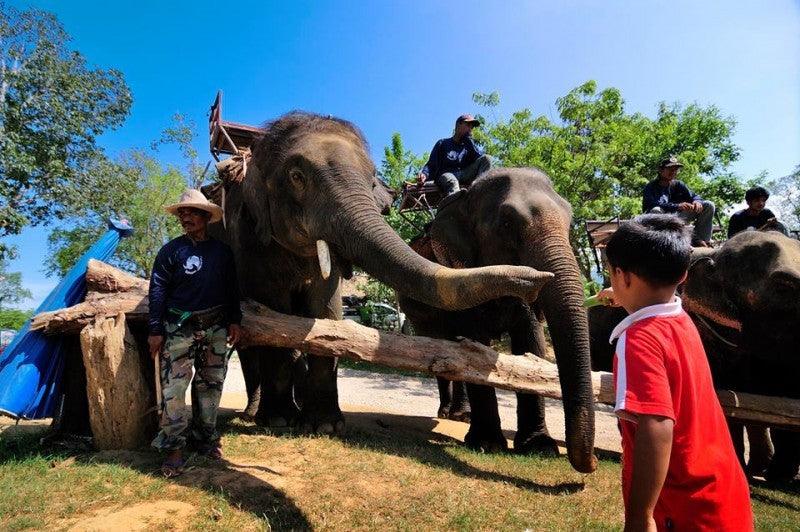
(197, 319)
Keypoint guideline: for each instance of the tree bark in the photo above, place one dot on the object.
(119, 397)
(464, 360)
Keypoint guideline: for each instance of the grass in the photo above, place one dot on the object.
(388, 472)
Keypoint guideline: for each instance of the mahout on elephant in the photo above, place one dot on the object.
(514, 216)
(744, 298)
(308, 208)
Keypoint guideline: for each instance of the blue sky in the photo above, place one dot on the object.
(413, 66)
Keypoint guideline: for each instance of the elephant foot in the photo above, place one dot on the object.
(249, 413)
(462, 414)
(443, 412)
(321, 418)
(539, 443)
(486, 440)
(277, 412)
(781, 472)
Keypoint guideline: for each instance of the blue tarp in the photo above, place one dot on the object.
(32, 364)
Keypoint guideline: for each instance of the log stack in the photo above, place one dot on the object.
(116, 298)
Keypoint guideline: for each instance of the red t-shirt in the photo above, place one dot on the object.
(660, 368)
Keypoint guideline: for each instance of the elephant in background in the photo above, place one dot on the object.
(744, 298)
(514, 216)
(307, 208)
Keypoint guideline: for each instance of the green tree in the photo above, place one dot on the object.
(14, 318)
(139, 189)
(786, 195)
(11, 290)
(600, 157)
(52, 107)
(398, 166)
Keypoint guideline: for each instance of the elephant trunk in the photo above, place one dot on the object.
(358, 232)
(562, 302)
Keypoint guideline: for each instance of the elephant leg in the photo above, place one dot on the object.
(761, 450)
(484, 432)
(786, 461)
(251, 371)
(277, 407)
(459, 406)
(527, 336)
(445, 397)
(320, 412)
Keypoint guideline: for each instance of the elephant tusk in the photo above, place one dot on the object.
(324, 256)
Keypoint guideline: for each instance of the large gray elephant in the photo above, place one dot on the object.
(305, 211)
(513, 216)
(744, 298)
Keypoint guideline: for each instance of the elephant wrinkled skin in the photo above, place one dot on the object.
(307, 209)
(513, 216)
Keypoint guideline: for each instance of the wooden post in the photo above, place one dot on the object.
(119, 397)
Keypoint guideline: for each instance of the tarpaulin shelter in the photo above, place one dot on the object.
(32, 365)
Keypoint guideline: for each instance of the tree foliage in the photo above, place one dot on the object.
(600, 157)
(14, 318)
(398, 166)
(52, 107)
(787, 190)
(11, 290)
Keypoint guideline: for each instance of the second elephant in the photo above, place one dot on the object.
(514, 216)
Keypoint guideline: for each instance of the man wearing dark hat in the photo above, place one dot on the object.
(665, 194)
(456, 161)
(194, 324)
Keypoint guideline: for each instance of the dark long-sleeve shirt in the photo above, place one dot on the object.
(193, 276)
(742, 220)
(450, 156)
(668, 198)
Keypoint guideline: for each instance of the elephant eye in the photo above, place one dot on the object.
(296, 177)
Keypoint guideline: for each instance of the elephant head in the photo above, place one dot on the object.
(311, 187)
(752, 285)
(514, 216)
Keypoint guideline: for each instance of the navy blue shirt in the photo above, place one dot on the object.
(450, 156)
(742, 220)
(192, 276)
(668, 197)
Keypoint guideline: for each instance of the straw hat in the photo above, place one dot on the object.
(194, 198)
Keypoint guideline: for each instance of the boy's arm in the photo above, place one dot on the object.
(652, 449)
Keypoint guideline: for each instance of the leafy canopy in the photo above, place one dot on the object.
(11, 290)
(600, 157)
(52, 107)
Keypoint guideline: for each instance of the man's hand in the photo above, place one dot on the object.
(685, 206)
(640, 524)
(697, 206)
(156, 343)
(421, 178)
(234, 334)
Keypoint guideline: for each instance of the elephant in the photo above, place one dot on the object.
(744, 298)
(303, 213)
(514, 216)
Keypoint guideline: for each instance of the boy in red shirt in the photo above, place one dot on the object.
(679, 468)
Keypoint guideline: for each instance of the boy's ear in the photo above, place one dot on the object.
(683, 277)
(626, 278)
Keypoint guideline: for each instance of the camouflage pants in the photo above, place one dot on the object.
(205, 352)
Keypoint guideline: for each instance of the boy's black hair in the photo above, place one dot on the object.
(656, 247)
(755, 193)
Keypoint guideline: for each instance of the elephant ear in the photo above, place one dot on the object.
(253, 198)
(384, 196)
(451, 236)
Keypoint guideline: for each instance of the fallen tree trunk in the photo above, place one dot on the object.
(465, 360)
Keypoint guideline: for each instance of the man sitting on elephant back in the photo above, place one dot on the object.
(456, 161)
(194, 323)
(665, 194)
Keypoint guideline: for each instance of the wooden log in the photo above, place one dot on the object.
(465, 360)
(119, 398)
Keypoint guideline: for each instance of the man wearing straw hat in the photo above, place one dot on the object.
(193, 324)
